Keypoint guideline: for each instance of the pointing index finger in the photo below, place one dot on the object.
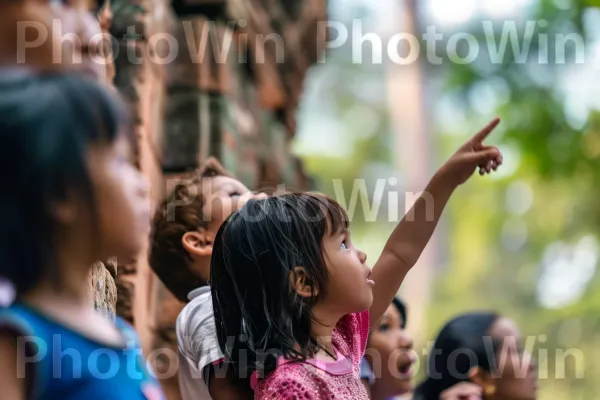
(482, 134)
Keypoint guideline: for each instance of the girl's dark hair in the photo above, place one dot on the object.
(47, 123)
(258, 314)
(462, 344)
(401, 307)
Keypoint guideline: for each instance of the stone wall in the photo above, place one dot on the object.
(103, 287)
(208, 104)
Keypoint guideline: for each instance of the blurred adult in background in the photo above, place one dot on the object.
(389, 356)
(485, 349)
(387, 367)
(57, 35)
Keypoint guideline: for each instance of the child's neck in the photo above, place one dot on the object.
(69, 284)
(201, 268)
(322, 331)
(71, 303)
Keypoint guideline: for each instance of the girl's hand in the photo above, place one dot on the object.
(471, 155)
(462, 391)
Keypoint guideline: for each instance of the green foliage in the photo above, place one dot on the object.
(497, 245)
(558, 159)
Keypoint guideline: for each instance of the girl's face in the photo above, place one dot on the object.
(350, 289)
(517, 371)
(122, 202)
(390, 355)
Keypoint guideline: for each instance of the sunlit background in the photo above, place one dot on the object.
(523, 241)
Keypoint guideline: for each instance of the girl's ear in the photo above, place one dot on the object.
(65, 210)
(197, 244)
(301, 283)
(484, 379)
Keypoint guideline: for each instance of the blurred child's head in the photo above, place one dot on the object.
(389, 352)
(485, 349)
(185, 225)
(280, 266)
(71, 195)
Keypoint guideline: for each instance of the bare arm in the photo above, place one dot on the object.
(13, 387)
(407, 242)
(405, 245)
(228, 387)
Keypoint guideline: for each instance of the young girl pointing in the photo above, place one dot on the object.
(294, 298)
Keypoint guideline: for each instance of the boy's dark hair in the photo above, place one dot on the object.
(47, 124)
(258, 314)
(168, 258)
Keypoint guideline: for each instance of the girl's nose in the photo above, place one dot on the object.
(362, 256)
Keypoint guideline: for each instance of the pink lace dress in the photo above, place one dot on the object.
(317, 379)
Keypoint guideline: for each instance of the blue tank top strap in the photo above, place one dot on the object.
(14, 318)
(127, 330)
(133, 344)
(25, 324)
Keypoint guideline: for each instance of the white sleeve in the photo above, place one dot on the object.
(197, 334)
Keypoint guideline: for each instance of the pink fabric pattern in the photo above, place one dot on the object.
(316, 379)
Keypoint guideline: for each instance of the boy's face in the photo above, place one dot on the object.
(223, 196)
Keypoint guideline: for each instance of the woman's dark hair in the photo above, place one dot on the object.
(258, 314)
(47, 123)
(401, 307)
(462, 344)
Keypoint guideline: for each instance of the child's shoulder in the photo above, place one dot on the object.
(128, 331)
(293, 380)
(22, 321)
(198, 311)
(196, 330)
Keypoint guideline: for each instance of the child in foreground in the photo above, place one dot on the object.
(294, 299)
(71, 197)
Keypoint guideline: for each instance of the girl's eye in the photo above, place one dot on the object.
(234, 194)
(344, 246)
(383, 327)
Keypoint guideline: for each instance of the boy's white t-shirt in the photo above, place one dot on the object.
(197, 343)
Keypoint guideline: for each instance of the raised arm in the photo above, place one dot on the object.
(407, 242)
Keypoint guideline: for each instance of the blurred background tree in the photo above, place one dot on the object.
(525, 240)
(526, 243)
